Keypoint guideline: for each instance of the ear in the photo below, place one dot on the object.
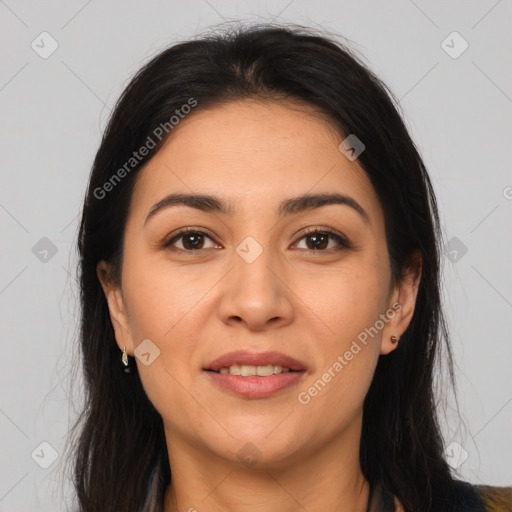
(402, 301)
(117, 308)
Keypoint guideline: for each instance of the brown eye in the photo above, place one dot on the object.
(190, 239)
(318, 240)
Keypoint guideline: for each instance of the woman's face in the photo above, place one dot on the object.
(249, 277)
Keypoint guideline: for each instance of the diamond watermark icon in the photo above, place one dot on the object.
(249, 454)
(146, 352)
(44, 250)
(455, 455)
(44, 455)
(44, 45)
(249, 249)
(454, 45)
(456, 249)
(351, 147)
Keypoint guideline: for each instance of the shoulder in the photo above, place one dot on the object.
(483, 498)
(495, 499)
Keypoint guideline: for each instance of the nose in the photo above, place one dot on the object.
(256, 293)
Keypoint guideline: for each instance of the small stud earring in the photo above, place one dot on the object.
(126, 362)
(394, 339)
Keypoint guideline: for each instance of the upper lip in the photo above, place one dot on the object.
(244, 357)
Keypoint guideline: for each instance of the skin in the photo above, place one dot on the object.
(197, 306)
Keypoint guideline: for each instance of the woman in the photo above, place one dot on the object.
(260, 253)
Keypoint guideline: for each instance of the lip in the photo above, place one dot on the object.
(255, 359)
(255, 387)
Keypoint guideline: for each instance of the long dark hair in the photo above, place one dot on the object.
(120, 455)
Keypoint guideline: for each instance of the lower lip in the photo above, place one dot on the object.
(255, 387)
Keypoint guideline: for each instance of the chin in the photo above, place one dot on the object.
(259, 449)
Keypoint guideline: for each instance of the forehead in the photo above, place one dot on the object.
(253, 154)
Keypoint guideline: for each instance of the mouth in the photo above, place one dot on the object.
(245, 370)
(246, 361)
(253, 375)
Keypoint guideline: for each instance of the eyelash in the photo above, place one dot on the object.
(343, 242)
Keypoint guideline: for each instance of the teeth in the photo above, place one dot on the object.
(253, 371)
(264, 371)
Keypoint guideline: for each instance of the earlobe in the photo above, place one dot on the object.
(404, 296)
(388, 344)
(116, 306)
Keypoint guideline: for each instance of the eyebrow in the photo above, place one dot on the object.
(294, 205)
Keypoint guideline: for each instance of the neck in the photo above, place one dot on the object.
(322, 479)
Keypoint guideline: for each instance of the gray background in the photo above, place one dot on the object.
(53, 113)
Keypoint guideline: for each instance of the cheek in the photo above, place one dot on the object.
(351, 299)
(347, 359)
(162, 297)
(163, 306)
(350, 306)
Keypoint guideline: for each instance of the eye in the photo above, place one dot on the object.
(191, 240)
(319, 240)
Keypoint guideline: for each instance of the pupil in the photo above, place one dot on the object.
(195, 243)
(317, 237)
